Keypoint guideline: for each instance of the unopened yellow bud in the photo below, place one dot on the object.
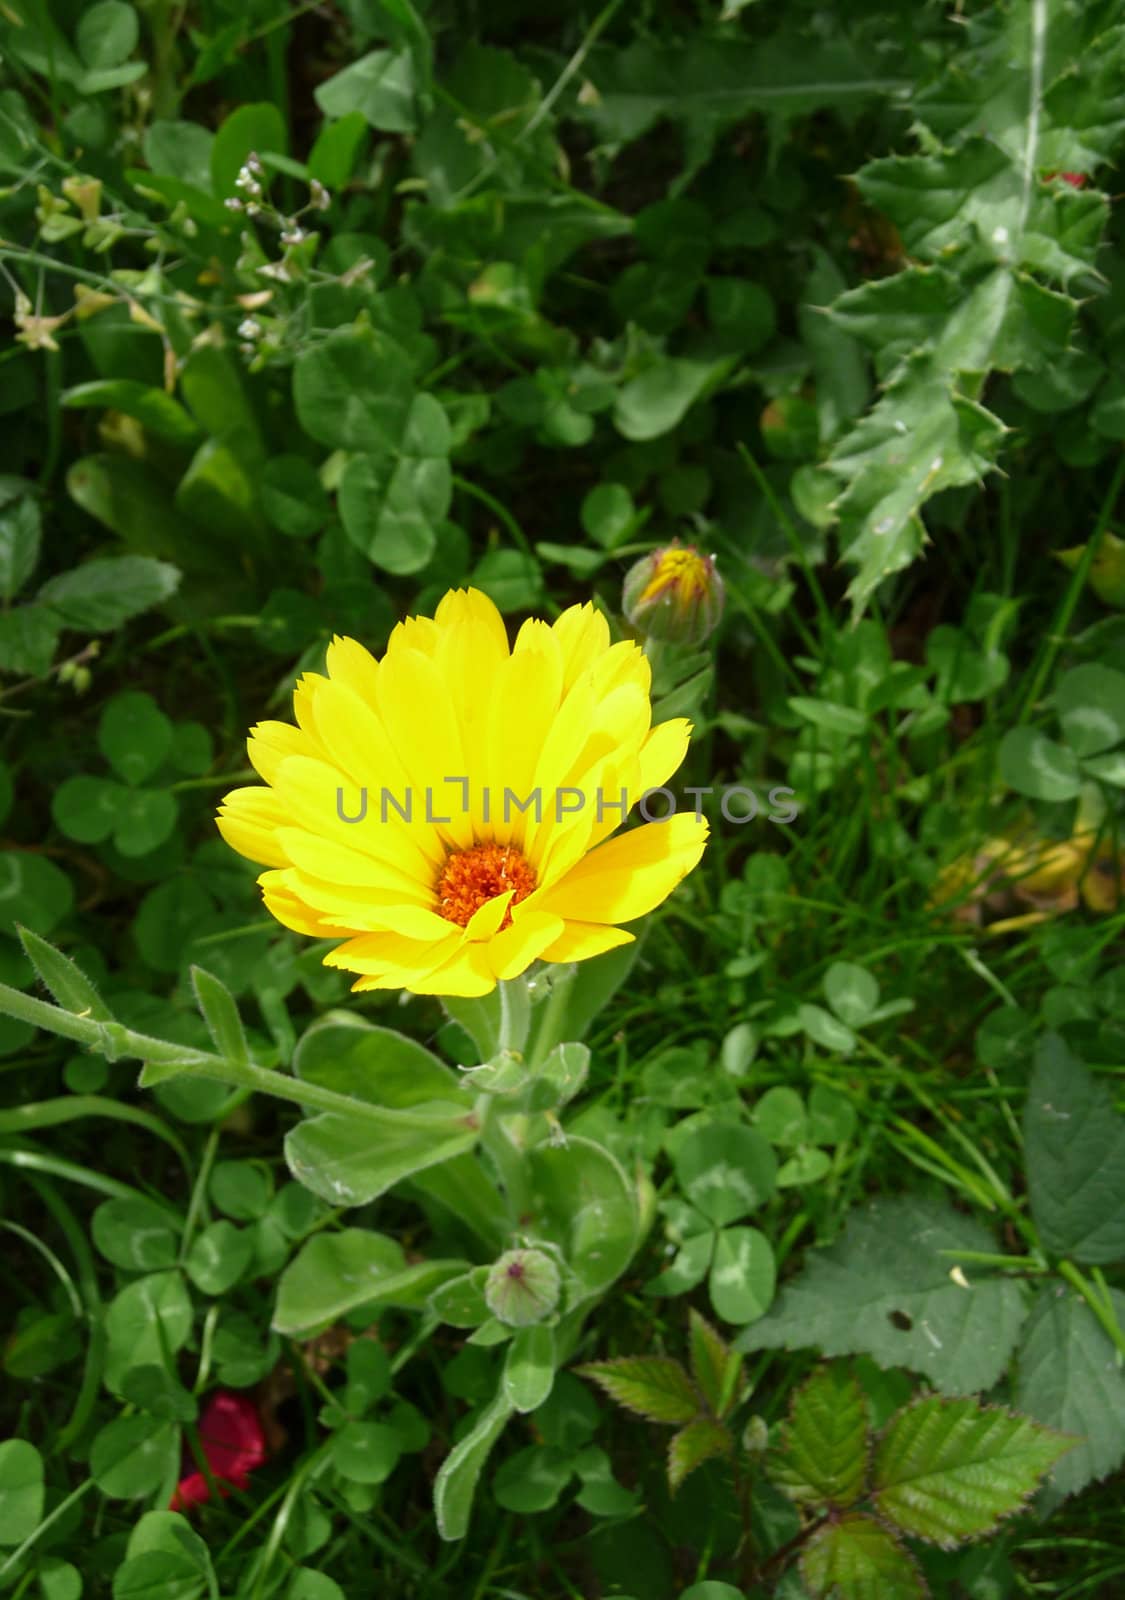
(674, 595)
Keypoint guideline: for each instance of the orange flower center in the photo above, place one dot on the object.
(471, 877)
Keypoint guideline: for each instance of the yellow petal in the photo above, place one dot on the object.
(581, 940)
(486, 920)
(583, 635)
(354, 667)
(250, 821)
(521, 943)
(626, 877)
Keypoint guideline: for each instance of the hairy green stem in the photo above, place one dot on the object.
(114, 1040)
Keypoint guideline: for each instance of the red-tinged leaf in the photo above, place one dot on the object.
(950, 1470)
(655, 1387)
(693, 1445)
(824, 1444)
(714, 1365)
(856, 1559)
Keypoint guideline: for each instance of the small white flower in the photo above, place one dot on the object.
(233, 204)
(248, 328)
(294, 236)
(320, 196)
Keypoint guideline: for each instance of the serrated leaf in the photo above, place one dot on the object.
(714, 1365)
(950, 1470)
(984, 226)
(693, 1445)
(1069, 1376)
(655, 1387)
(884, 1290)
(856, 1559)
(824, 1444)
(1075, 1154)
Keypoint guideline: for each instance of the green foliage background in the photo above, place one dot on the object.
(315, 311)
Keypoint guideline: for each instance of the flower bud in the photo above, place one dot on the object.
(522, 1287)
(674, 595)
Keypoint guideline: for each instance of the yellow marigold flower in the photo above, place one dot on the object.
(452, 875)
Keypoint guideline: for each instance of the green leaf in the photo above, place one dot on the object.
(582, 1200)
(134, 735)
(250, 129)
(529, 1369)
(824, 1444)
(69, 986)
(100, 595)
(725, 1170)
(655, 1387)
(532, 1479)
(510, 578)
(714, 1365)
(335, 1272)
(28, 637)
(220, 1012)
(380, 86)
(160, 414)
(219, 1256)
(293, 497)
(146, 1323)
(33, 891)
(884, 1290)
(391, 504)
(779, 1116)
(1069, 1377)
(129, 1456)
(107, 33)
(20, 534)
(657, 400)
(333, 156)
(160, 1393)
(136, 1234)
(241, 1190)
(352, 1161)
(560, 1077)
(855, 1559)
(461, 1302)
(1075, 1153)
(713, 79)
(852, 992)
(21, 1491)
(1034, 765)
(366, 1452)
(700, 1441)
(354, 391)
(608, 514)
(950, 1470)
(688, 1268)
(743, 1275)
(180, 150)
(345, 1053)
(460, 1472)
(1091, 704)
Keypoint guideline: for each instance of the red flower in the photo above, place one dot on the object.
(230, 1432)
(1077, 180)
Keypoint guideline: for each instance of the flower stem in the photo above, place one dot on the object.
(113, 1040)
